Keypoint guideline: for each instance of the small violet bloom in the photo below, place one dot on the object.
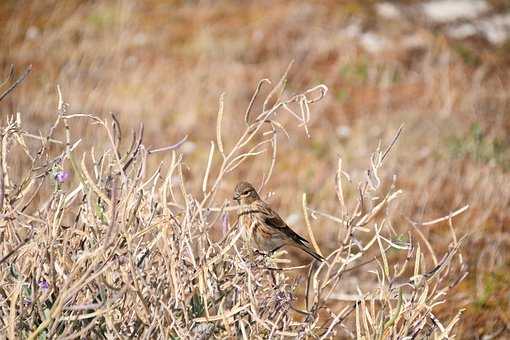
(62, 176)
(43, 284)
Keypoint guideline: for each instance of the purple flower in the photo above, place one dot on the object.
(62, 176)
(43, 284)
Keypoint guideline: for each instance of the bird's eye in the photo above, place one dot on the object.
(246, 192)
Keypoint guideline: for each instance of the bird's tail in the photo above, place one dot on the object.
(310, 251)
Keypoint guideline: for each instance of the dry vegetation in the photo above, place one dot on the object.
(128, 253)
(105, 232)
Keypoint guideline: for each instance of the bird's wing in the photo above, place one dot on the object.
(272, 219)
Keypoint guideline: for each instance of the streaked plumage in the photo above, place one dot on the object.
(264, 227)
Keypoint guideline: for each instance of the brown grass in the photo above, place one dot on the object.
(166, 66)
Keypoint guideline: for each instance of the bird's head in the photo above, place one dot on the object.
(245, 193)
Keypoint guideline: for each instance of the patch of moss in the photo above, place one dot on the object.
(356, 73)
(476, 145)
(468, 55)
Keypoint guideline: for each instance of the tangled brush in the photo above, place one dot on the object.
(95, 245)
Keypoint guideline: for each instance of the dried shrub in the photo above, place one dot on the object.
(93, 245)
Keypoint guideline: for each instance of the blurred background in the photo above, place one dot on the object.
(439, 67)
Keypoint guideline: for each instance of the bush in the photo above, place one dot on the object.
(93, 245)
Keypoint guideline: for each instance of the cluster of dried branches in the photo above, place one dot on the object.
(120, 252)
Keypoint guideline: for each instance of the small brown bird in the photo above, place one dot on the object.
(264, 227)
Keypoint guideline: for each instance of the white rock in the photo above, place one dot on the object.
(496, 28)
(387, 10)
(462, 31)
(372, 42)
(443, 11)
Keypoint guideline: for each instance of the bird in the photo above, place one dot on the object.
(265, 229)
